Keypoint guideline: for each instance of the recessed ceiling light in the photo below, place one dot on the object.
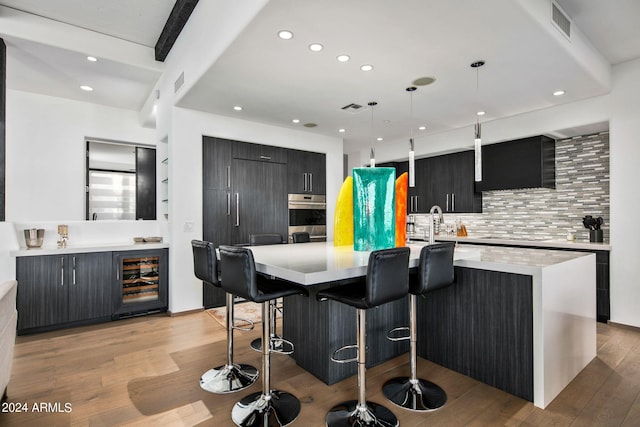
(379, 138)
(422, 128)
(92, 58)
(342, 130)
(87, 88)
(343, 58)
(296, 120)
(366, 67)
(480, 113)
(315, 47)
(285, 34)
(558, 93)
(237, 108)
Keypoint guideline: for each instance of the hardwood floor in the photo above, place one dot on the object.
(145, 371)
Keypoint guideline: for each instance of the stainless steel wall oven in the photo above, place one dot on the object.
(308, 212)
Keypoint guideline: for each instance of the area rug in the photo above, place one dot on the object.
(245, 310)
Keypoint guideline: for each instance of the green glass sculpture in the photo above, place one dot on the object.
(374, 221)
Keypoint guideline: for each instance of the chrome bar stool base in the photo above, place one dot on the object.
(228, 378)
(278, 345)
(350, 413)
(415, 395)
(276, 409)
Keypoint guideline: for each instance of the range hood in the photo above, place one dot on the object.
(522, 163)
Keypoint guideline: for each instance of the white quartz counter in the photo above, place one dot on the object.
(539, 243)
(75, 249)
(320, 262)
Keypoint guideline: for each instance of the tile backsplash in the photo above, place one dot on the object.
(582, 188)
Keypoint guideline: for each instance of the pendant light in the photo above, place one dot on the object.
(477, 143)
(412, 160)
(372, 155)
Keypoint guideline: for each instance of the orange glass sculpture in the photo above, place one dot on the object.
(402, 188)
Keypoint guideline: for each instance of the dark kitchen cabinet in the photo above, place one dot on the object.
(244, 192)
(216, 163)
(522, 163)
(603, 309)
(446, 181)
(259, 152)
(451, 183)
(306, 172)
(141, 282)
(57, 290)
(259, 199)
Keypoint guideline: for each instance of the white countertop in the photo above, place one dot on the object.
(320, 262)
(75, 249)
(537, 242)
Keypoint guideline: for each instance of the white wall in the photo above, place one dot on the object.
(45, 168)
(622, 109)
(625, 203)
(185, 191)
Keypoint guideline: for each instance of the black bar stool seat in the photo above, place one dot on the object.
(267, 407)
(435, 271)
(231, 376)
(387, 280)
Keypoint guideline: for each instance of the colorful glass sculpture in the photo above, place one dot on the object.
(402, 188)
(374, 216)
(343, 217)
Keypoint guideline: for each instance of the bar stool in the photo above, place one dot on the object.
(301, 237)
(267, 407)
(279, 344)
(231, 376)
(387, 280)
(435, 271)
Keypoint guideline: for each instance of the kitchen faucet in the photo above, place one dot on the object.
(435, 209)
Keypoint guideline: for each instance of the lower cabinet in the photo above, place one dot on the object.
(57, 291)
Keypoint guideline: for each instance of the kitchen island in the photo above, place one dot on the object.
(522, 320)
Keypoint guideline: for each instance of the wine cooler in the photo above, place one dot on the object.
(142, 279)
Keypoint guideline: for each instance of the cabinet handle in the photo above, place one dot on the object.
(61, 271)
(453, 202)
(265, 157)
(417, 203)
(237, 209)
(118, 268)
(228, 176)
(228, 204)
(310, 182)
(73, 271)
(304, 186)
(447, 209)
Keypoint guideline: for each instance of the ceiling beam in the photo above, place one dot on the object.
(177, 19)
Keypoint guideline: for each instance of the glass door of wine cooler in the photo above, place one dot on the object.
(142, 277)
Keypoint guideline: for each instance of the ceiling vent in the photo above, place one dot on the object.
(562, 21)
(353, 108)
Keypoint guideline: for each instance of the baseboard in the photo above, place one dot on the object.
(183, 313)
(623, 326)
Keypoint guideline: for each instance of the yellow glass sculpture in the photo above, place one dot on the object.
(343, 218)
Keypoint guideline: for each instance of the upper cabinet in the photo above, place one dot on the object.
(522, 163)
(259, 152)
(446, 181)
(306, 172)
